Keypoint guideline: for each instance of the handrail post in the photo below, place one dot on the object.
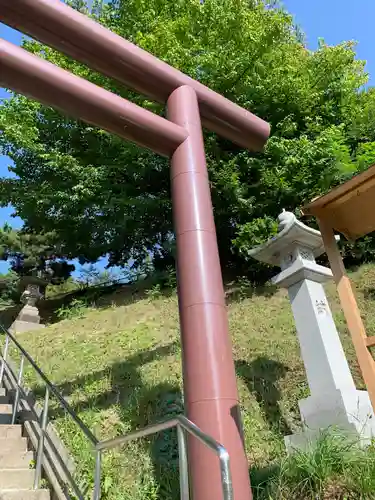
(226, 476)
(17, 397)
(98, 465)
(183, 463)
(39, 458)
(5, 355)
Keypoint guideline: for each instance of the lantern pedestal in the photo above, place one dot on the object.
(29, 318)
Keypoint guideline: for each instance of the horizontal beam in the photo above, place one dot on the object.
(61, 27)
(30, 75)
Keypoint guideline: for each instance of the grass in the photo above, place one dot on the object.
(334, 468)
(119, 366)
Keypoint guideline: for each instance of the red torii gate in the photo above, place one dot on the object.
(210, 391)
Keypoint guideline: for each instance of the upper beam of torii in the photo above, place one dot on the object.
(57, 25)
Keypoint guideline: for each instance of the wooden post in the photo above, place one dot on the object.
(350, 308)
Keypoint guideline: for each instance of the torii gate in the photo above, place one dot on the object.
(210, 391)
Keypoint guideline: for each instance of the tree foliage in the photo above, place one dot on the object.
(101, 195)
(31, 254)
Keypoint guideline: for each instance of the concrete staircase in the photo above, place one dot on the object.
(16, 474)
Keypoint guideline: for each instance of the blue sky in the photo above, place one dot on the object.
(338, 20)
(333, 20)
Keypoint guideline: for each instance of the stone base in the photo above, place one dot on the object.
(29, 314)
(348, 411)
(28, 319)
(19, 326)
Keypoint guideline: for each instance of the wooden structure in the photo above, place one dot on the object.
(350, 210)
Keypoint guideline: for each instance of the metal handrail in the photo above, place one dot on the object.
(182, 424)
(52, 388)
(44, 414)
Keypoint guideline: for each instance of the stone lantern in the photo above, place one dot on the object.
(29, 318)
(334, 400)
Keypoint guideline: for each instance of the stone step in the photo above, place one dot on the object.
(16, 459)
(18, 444)
(15, 479)
(24, 494)
(10, 431)
(5, 413)
(4, 398)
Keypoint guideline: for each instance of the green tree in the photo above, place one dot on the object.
(31, 254)
(92, 276)
(361, 129)
(101, 195)
(9, 289)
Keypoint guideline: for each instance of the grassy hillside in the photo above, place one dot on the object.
(118, 363)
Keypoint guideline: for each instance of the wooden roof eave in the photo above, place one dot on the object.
(350, 207)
